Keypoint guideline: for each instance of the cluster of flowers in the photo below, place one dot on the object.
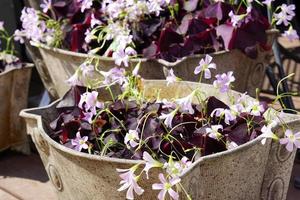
(156, 28)
(39, 27)
(7, 58)
(166, 134)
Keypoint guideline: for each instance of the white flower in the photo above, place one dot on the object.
(129, 182)
(171, 78)
(150, 163)
(185, 103)
(168, 118)
(255, 108)
(268, 133)
(205, 65)
(131, 139)
(213, 131)
(176, 168)
(166, 187)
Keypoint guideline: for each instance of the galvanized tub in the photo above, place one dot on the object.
(14, 86)
(251, 171)
(61, 64)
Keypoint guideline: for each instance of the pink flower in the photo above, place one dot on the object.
(89, 101)
(129, 182)
(1, 25)
(287, 13)
(46, 5)
(226, 113)
(75, 80)
(120, 57)
(131, 139)
(150, 163)
(79, 142)
(166, 187)
(223, 81)
(94, 21)
(291, 34)
(171, 78)
(290, 140)
(85, 4)
(114, 75)
(88, 36)
(185, 103)
(235, 19)
(213, 131)
(205, 65)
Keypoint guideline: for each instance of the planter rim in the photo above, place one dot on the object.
(25, 65)
(161, 61)
(27, 113)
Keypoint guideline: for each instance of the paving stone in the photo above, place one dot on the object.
(5, 195)
(24, 177)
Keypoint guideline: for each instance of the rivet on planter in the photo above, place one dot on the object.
(55, 177)
(40, 142)
(276, 189)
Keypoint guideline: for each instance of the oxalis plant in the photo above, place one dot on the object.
(166, 134)
(8, 60)
(167, 29)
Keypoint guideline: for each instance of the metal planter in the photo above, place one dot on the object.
(56, 66)
(251, 171)
(14, 86)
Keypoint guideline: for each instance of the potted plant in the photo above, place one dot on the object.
(171, 34)
(165, 139)
(14, 83)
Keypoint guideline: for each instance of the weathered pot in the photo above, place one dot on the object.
(251, 171)
(14, 86)
(61, 64)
